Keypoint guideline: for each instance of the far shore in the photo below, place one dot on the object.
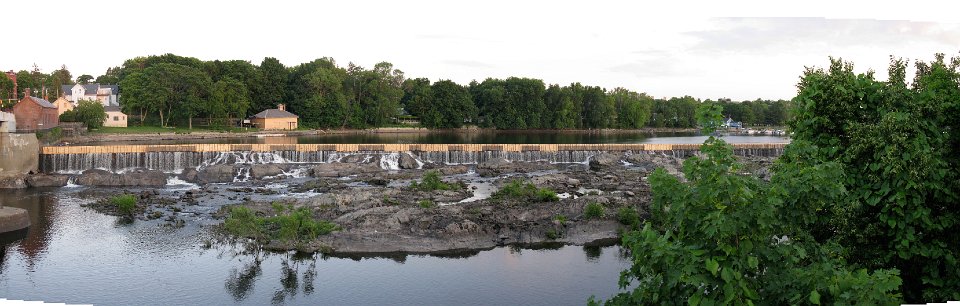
(183, 134)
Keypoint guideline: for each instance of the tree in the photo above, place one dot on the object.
(6, 88)
(270, 86)
(417, 95)
(228, 98)
(632, 109)
(84, 79)
(91, 113)
(448, 107)
(55, 81)
(110, 77)
(900, 151)
(141, 95)
(720, 237)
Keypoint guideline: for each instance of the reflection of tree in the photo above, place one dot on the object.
(239, 283)
(593, 252)
(290, 280)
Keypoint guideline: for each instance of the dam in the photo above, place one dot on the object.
(175, 158)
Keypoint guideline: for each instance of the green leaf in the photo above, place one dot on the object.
(753, 262)
(712, 266)
(695, 299)
(815, 297)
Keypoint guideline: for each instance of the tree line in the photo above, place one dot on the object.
(172, 90)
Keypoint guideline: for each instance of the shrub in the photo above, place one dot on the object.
(91, 113)
(520, 190)
(125, 203)
(628, 216)
(552, 234)
(431, 181)
(593, 211)
(561, 218)
(426, 204)
(297, 225)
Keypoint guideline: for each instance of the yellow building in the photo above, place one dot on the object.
(275, 119)
(115, 118)
(63, 105)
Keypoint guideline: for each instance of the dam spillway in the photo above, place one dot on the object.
(175, 158)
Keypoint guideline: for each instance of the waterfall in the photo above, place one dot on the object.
(390, 161)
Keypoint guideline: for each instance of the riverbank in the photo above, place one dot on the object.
(160, 134)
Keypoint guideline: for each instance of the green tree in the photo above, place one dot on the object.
(449, 105)
(141, 95)
(229, 98)
(632, 109)
(55, 81)
(110, 77)
(417, 95)
(721, 238)
(899, 148)
(6, 88)
(270, 86)
(84, 79)
(91, 113)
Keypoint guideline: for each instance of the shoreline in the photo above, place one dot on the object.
(93, 138)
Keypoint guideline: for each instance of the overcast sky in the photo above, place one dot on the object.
(753, 49)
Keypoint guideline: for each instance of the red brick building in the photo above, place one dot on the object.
(34, 114)
(13, 77)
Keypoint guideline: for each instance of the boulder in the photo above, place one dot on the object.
(604, 161)
(408, 162)
(13, 182)
(45, 180)
(217, 174)
(189, 175)
(343, 169)
(494, 167)
(451, 170)
(138, 177)
(265, 170)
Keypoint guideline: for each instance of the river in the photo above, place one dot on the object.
(74, 255)
(478, 137)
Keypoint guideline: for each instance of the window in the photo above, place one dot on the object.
(115, 118)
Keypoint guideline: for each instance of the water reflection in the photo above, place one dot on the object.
(42, 210)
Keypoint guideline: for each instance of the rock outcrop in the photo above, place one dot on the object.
(217, 174)
(138, 177)
(47, 180)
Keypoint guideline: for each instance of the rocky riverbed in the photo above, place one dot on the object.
(376, 209)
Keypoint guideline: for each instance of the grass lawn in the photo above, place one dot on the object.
(157, 129)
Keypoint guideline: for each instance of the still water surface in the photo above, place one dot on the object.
(481, 137)
(75, 255)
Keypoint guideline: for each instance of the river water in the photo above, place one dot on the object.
(75, 255)
(479, 137)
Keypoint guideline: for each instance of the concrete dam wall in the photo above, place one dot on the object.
(175, 158)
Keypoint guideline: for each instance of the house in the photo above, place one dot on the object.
(115, 118)
(34, 114)
(729, 123)
(106, 94)
(63, 105)
(275, 119)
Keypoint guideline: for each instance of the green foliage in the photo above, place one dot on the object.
(552, 234)
(448, 105)
(709, 117)
(426, 204)
(526, 192)
(899, 147)
(90, 112)
(50, 136)
(431, 181)
(289, 225)
(721, 237)
(628, 216)
(125, 203)
(594, 211)
(560, 218)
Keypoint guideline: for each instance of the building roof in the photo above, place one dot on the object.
(90, 89)
(275, 113)
(112, 108)
(41, 102)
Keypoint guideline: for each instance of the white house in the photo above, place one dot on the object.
(106, 94)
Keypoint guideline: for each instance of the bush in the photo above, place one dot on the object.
(552, 234)
(426, 204)
(561, 218)
(431, 181)
(628, 216)
(125, 203)
(297, 225)
(593, 211)
(519, 190)
(91, 113)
